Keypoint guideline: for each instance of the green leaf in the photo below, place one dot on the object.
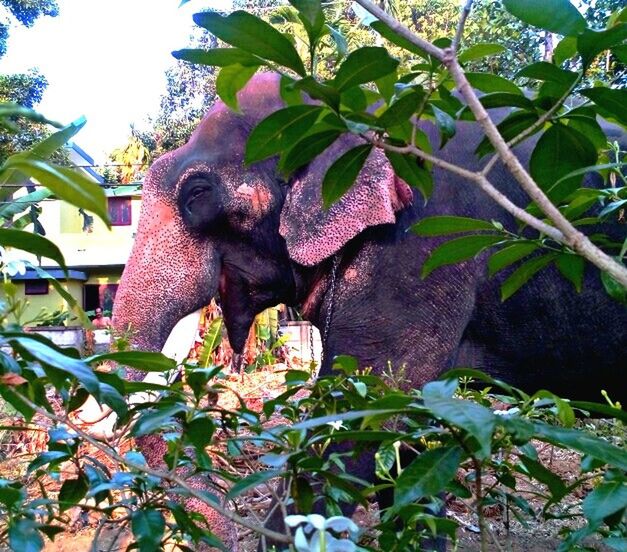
(155, 419)
(52, 357)
(340, 41)
(24, 536)
(409, 169)
(251, 34)
(509, 127)
(523, 274)
(606, 499)
(366, 64)
(231, 80)
(110, 396)
(427, 475)
(560, 151)
(590, 128)
(457, 250)
(572, 267)
(476, 420)
(218, 57)
(72, 491)
(33, 243)
(545, 71)
(445, 124)
(11, 492)
(566, 49)
(509, 255)
(446, 225)
(54, 142)
(251, 481)
(144, 361)
(543, 475)
(614, 289)
(400, 111)
(582, 442)
(591, 43)
(397, 39)
(481, 50)
(281, 129)
(66, 184)
(9, 109)
(505, 99)
(306, 149)
(342, 174)
(52, 456)
(200, 432)
(320, 91)
(613, 101)
(310, 13)
(19, 204)
(148, 526)
(486, 82)
(557, 16)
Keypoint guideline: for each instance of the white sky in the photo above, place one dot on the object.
(104, 59)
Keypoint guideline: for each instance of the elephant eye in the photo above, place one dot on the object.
(200, 201)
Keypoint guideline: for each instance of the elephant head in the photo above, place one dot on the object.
(211, 224)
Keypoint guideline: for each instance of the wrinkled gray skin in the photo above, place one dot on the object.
(209, 225)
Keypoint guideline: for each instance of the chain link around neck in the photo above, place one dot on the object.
(331, 305)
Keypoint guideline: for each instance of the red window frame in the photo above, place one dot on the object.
(120, 212)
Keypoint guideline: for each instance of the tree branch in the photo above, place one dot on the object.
(535, 126)
(483, 183)
(570, 236)
(460, 26)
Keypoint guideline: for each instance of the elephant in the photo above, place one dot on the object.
(209, 224)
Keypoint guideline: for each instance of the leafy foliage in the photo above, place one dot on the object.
(459, 432)
(571, 142)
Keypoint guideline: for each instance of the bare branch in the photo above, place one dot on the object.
(460, 26)
(400, 29)
(571, 237)
(484, 184)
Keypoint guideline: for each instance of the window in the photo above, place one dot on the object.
(36, 287)
(120, 211)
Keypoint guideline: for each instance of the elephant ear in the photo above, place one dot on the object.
(313, 233)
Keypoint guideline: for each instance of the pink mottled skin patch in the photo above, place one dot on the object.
(314, 234)
(351, 274)
(258, 196)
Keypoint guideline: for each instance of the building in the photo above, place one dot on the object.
(94, 255)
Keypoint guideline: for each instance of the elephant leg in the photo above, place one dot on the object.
(154, 448)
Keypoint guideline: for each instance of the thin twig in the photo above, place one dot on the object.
(535, 126)
(460, 26)
(483, 183)
(400, 29)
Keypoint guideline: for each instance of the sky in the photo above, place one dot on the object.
(105, 60)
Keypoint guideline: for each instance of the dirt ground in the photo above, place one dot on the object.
(262, 385)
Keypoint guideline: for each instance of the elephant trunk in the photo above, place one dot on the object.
(169, 274)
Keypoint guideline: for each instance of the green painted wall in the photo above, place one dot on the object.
(51, 301)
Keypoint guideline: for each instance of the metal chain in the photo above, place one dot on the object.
(327, 322)
(311, 343)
